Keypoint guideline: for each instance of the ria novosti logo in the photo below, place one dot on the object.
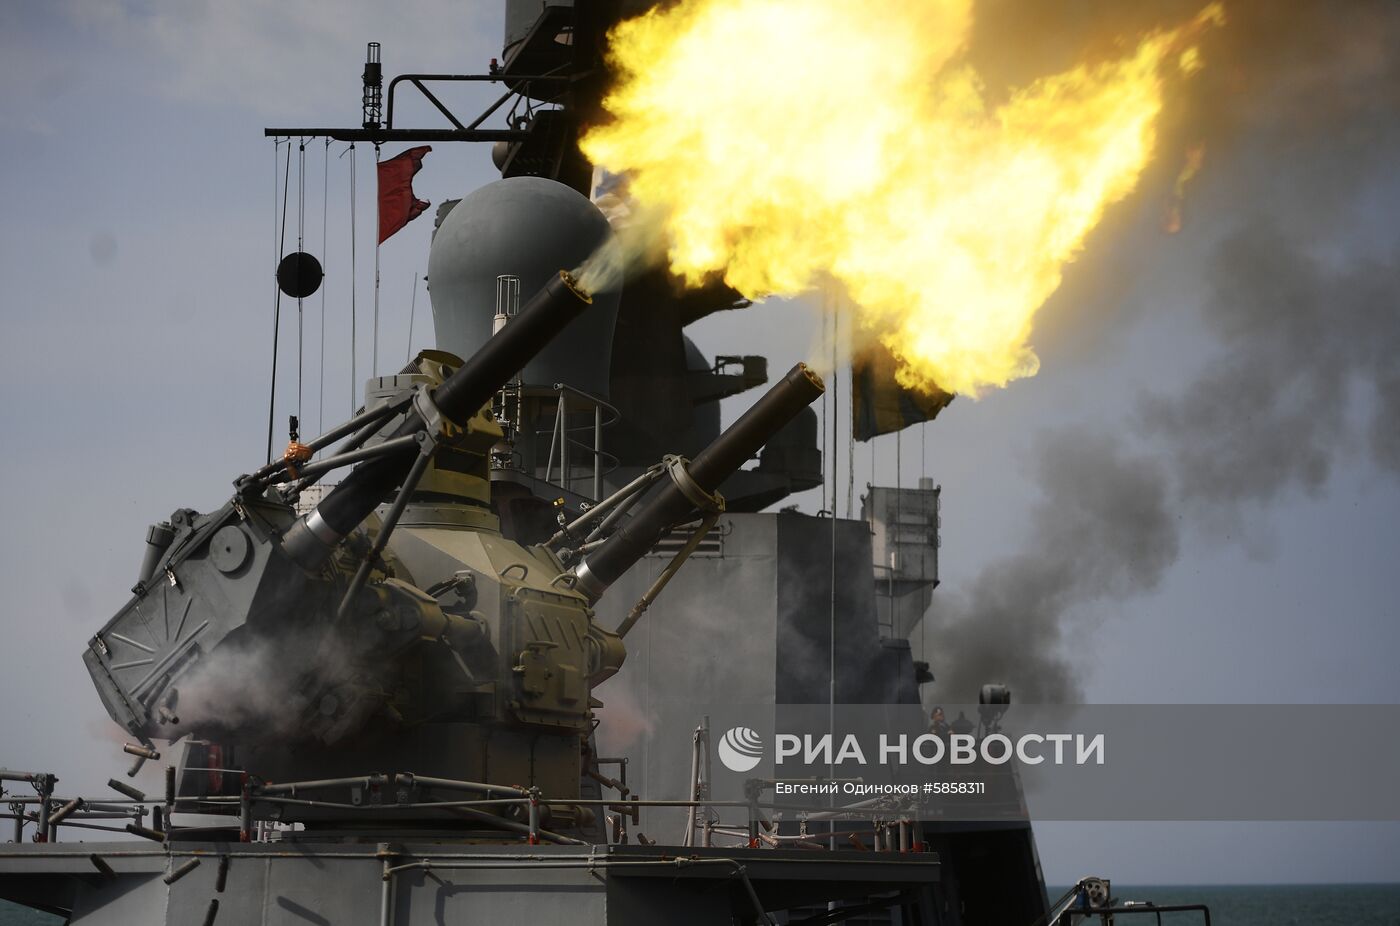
(740, 749)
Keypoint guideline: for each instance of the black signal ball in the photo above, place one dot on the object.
(299, 275)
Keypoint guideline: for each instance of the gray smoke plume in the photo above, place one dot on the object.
(1299, 111)
(1103, 529)
(262, 687)
(1301, 344)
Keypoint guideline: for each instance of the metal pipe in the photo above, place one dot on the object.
(417, 79)
(565, 473)
(647, 479)
(292, 787)
(597, 452)
(245, 813)
(390, 136)
(358, 423)
(370, 808)
(667, 574)
(127, 807)
(176, 874)
(386, 895)
(363, 420)
(355, 441)
(158, 539)
(92, 811)
(689, 838)
(606, 505)
(846, 808)
(452, 784)
(671, 504)
(62, 813)
(321, 467)
(558, 427)
(614, 804)
(71, 822)
(105, 804)
(28, 852)
(1150, 908)
(44, 785)
(521, 828)
(391, 520)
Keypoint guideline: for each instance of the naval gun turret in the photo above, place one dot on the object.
(391, 628)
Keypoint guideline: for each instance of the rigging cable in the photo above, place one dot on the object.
(826, 464)
(354, 391)
(851, 436)
(836, 406)
(923, 576)
(277, 298)
(276, 154)
(325, 262)
(374, 353)
(412, 309)
(872, 477)
(301, 248)
(829, 312)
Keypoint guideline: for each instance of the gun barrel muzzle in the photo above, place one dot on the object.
(669, 505)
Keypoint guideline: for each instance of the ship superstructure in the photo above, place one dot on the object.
(539, 517)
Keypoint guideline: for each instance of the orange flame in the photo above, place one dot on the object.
(779, 142)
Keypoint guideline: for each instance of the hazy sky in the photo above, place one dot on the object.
(1242, 371)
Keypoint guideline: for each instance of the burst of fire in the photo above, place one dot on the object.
(783, 141)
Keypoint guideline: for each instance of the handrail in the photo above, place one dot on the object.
(559, 436)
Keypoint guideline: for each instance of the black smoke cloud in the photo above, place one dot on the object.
(1299, 109)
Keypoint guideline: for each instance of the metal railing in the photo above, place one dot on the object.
(562, 443)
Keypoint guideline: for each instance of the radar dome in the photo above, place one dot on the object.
(529, 228)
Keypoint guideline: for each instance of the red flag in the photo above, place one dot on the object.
(397, 204)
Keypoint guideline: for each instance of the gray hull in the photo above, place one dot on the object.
(293, 884)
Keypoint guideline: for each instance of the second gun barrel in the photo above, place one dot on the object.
(669, 505)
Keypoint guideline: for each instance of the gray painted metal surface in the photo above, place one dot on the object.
(415, 884)
(529, 228)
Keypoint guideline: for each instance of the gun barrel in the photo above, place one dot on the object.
(459, 398)
(669, 505)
